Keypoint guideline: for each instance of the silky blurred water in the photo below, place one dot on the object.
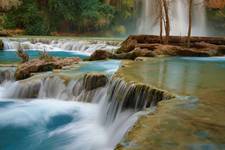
(50, 125)
(55, 124)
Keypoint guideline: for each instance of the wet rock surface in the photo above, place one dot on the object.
(100, 55)
(94, 81)
(200, 46)
(187, 122)
(151, 46)
(132, 55)
(37, 65)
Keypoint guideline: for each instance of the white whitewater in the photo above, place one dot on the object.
(148, 24)
(51, 122)
(59, 45)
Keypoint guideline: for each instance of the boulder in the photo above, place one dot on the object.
(1, 45)
(25, 70)
(172, 50)
(94, 80)
(138, 52)
(100, 55)
(199, 45)
(143, 52)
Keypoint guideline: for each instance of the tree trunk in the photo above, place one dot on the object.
(190, 23)
(167, 21)
(161, 20)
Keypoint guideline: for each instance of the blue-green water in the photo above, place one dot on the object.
(53, 124)
(106, 67)
(11, 57)
(49, 125)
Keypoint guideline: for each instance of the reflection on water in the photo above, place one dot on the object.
(188, 76)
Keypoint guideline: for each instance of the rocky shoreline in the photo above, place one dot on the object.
(133, 48)
(182, 122)
(25, 70)
(151, 46)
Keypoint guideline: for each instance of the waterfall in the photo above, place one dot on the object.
(6, 75)
(108, 106)
(58, 45)
(148, 23)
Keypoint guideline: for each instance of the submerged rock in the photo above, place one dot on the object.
(36, 65)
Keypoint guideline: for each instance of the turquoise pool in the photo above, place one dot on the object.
(11, 57)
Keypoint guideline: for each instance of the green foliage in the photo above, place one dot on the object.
(26, 17)
(120, 30)
(41, 17)
(44, 56)
(1, 22)
(216, 18)
(83, 15)
(125, 15)
(1, 45)
(6, 5)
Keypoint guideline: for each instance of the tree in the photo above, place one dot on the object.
(161, 20)
(27, 16)
(167, 20)
(22, 54)
(6, 5)
(189, 22)
(161, 15)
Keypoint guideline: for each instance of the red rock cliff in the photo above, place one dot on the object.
(216, 4)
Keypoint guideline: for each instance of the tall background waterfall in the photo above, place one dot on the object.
(148, 24)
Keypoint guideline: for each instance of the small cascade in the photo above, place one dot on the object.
(24, 90)
(59, 45)
(115, 103)
(6, 75)
(148, 23)
(123, 96)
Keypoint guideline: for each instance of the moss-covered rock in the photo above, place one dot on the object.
(94, 80)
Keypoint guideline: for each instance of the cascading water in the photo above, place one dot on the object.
(58, 45)
(48, 122)
(148, 23)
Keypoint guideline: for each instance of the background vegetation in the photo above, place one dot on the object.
(42, 17)
(101, 17)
